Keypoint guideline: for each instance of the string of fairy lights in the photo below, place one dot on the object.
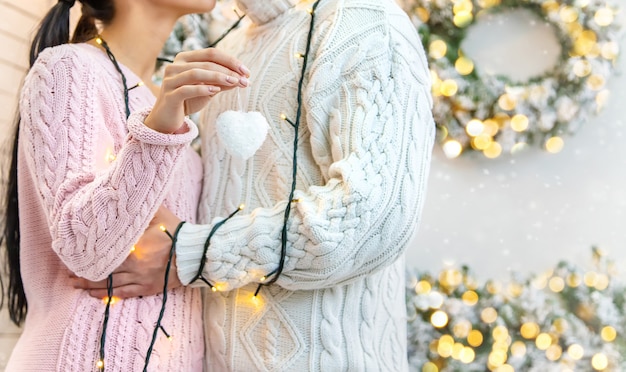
(275, 274)
(497, 327)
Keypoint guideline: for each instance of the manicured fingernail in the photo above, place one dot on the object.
(243, 81)
(231, 79)
(244, 70)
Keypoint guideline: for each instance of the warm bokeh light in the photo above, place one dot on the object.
(467, 355)
(474, 127)
(493, 150)
(462, 328)
(448, 87)
(599, 362)
(439, 319)
(543, 341)
(507, 102)
(489, 315)
(464, 66)
(529, 330)
(568, 14)
(574, 280)
(497, 358)
(519, 123)
(470, 298)
(518, 349)
(608, 334)
(554, 144)
(554, 352)
(423, 287)
(603, 17)
(452, 149)
(430, 367)
(575, 351)
(437, 49)
(475, 338)
(556, 284)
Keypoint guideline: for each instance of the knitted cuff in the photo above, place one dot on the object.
(189, 249)
(144, 134)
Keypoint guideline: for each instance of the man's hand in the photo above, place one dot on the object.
(143, 272)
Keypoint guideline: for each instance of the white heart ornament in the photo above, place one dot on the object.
(241, 133)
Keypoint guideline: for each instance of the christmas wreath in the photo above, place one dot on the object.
(493, 114)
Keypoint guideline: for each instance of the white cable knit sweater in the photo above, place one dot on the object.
(363, 160)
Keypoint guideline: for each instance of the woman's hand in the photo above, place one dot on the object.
(143, 272)
(190, 82)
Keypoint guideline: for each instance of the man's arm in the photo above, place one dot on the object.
(368, 111)
(369, 115)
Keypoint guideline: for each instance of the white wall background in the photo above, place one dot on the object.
(17, 19)
(522, 213)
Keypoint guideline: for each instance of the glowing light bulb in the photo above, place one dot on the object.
(162, 228)
(109, 156)
(283, 117)
(111, 302)
(214, 289)
(100, 364)
(132, 249)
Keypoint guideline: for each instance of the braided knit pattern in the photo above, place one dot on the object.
(363, 159)
(89, 183)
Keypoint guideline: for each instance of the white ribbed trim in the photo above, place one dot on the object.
(189, 249)
(263, 11)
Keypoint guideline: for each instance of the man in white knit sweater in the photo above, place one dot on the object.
(363, 153)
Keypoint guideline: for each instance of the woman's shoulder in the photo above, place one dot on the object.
(71, 58)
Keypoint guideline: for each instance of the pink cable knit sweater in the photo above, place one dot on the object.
(89, 184)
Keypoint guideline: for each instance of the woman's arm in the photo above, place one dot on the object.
(95, 216)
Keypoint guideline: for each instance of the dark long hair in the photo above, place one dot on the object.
(54, 30)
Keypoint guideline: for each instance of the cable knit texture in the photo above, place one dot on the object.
(89, 183)
(363, 158)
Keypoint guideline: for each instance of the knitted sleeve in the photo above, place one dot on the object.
(95, 215)
(368, 110)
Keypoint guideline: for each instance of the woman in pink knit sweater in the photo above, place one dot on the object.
(88, 176)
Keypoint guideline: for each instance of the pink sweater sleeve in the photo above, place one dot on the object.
(95, 215)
